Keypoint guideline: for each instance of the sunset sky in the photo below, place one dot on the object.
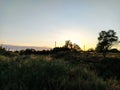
(42, 22)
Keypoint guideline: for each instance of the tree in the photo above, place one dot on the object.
(68, 44)
(106, 40)
(76, 47)
(27, 52)
(90, 50)
(71, 46)
(2, 50)
(114, 50)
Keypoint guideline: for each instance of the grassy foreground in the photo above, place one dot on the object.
(32, 72)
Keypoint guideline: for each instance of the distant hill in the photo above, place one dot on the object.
(15, 47)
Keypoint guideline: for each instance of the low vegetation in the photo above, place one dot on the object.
(50, 72)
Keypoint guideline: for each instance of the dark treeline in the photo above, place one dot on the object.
(55, 50)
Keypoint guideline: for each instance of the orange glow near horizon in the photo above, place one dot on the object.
(81, 38)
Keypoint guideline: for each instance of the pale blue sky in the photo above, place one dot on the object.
(42, 22)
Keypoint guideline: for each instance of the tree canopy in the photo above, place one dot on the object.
(106, 40)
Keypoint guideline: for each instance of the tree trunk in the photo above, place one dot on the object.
(104, 54)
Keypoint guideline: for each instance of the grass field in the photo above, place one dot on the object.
(61, 71)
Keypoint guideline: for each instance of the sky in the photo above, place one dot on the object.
(42, 22)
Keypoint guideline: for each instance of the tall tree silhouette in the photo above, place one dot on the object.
(106, 40)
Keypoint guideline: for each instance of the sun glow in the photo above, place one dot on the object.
(71, 35)
(76, 41)
(78, 36)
